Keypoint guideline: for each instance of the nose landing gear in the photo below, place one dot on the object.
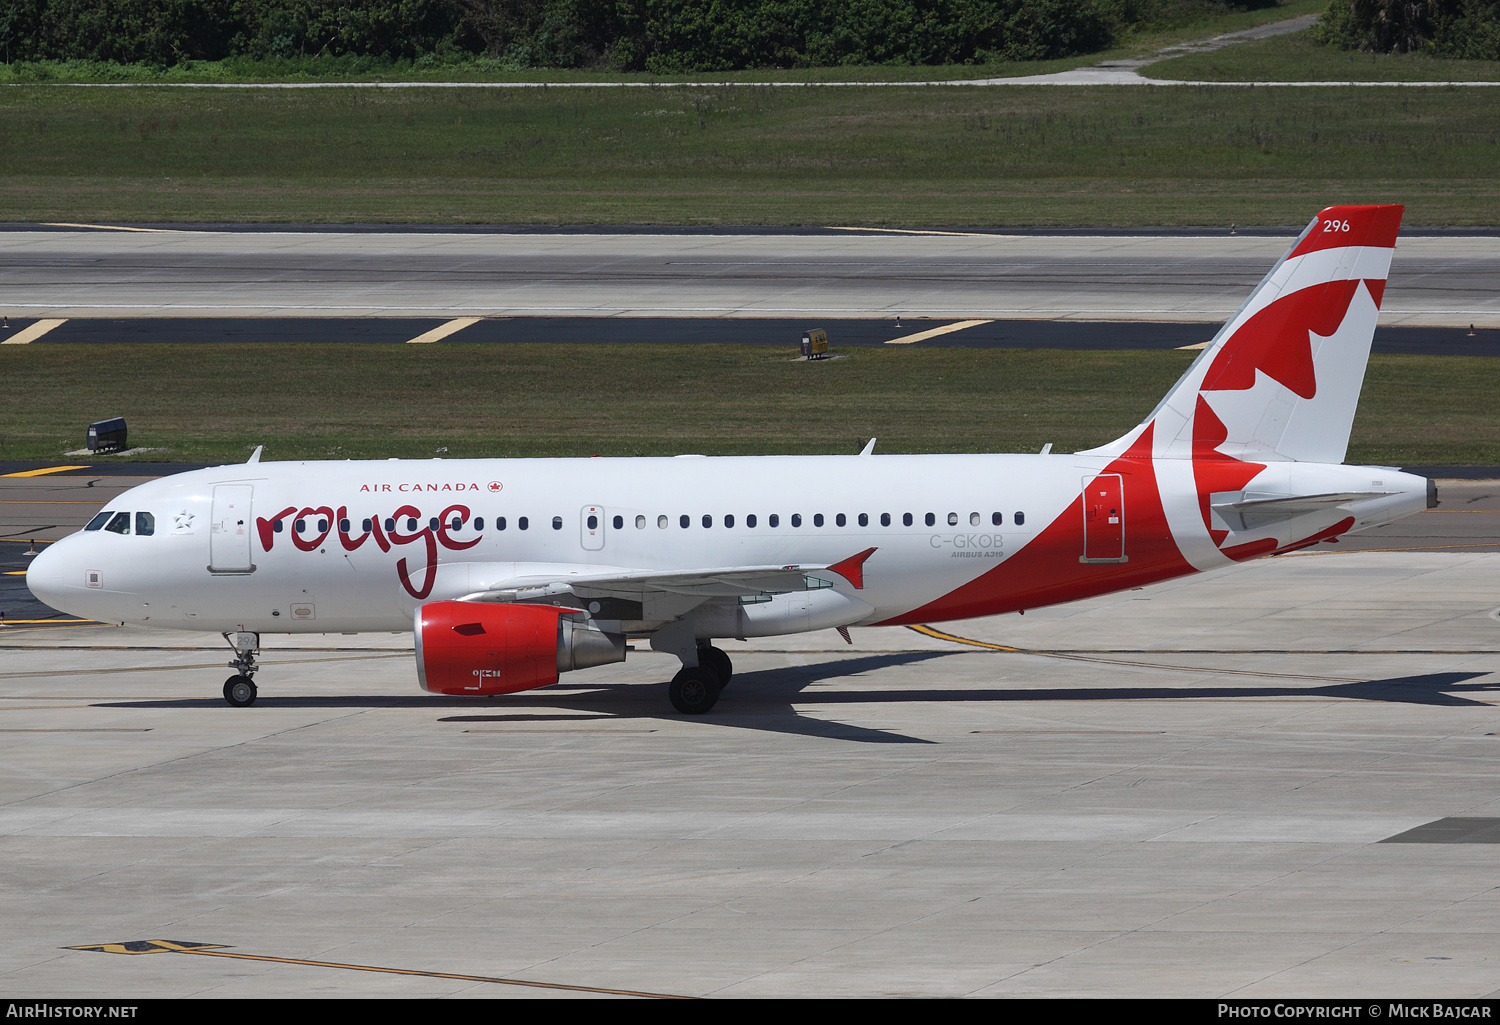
(239, 690)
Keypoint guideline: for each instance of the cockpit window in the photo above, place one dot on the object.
(145, 524)
(120, 524)
(99, 521)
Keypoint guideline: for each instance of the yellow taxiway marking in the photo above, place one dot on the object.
(1409, 548)
(114, 227)
(930, 632)
(922, 336)
(442, 331)
(1195, 347)
(30, 334)
(919, 231)
(218, 950)
(45, 470)
(163, 669)
(1074, 657)
(107, 729)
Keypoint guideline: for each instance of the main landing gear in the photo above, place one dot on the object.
(239, 690)
(696, 689)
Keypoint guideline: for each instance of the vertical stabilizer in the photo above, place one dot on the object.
(1281, 380)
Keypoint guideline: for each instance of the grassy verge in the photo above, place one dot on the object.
(363, 401)
(1295, 58)
(478, 69)
(746, 154)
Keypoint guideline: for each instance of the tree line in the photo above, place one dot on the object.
(1468, 29)
(627, 35)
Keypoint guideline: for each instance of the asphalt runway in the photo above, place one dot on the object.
(1438, 280)
(997, 334)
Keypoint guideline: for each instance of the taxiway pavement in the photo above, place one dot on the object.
(1273, 781)
(1277, 781)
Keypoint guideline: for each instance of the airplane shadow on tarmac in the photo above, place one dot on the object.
(765, 699)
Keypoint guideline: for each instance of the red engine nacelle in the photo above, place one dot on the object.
(483, 648)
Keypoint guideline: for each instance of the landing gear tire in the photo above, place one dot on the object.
(240, 691)
(695, 690)
(715, 659)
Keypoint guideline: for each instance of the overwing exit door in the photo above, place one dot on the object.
(1103, 519)
(229, 530)
(591, 523)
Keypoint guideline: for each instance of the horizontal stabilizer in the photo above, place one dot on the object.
(1250, 511)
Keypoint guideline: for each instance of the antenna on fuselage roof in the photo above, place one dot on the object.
(255, 456)
(869, 449)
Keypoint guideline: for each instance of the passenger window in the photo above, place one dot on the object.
(683, 521)
(774, 520)
(906, 519)
(864, 519)
(366, 525)
(885, 519)
(390, 524)
(145, 524)
(973, 519)
(839, 520)
(119, 525)
(478, 523)
(322, 525)
(729, 519)
(997, 518)
(796, 519)
(499, 522)
(930, 519)
(661, 521)
(593, 522)
(432, 524)
(557, 523)
(750, 520)
(300, 525)
(817, 519)
(953, 519)
(708, 521)
(344, 526)
(457, 524)
(99, 521)
(277, 526)
(1020, 518)
(640, 523)
(411, 523)
(619, 522)
(522, 523)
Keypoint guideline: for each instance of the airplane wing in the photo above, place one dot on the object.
(701, 584)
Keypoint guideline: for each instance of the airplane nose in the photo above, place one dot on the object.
(47, 576)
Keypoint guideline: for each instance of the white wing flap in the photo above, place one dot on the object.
(710, 582)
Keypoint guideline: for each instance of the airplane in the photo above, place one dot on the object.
(509, 572)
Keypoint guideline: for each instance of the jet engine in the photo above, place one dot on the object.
(496, 648)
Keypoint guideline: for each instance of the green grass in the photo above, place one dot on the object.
(1296, 58)
(747, 154)
(371, 401)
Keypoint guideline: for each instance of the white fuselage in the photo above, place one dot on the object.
(939, 524)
